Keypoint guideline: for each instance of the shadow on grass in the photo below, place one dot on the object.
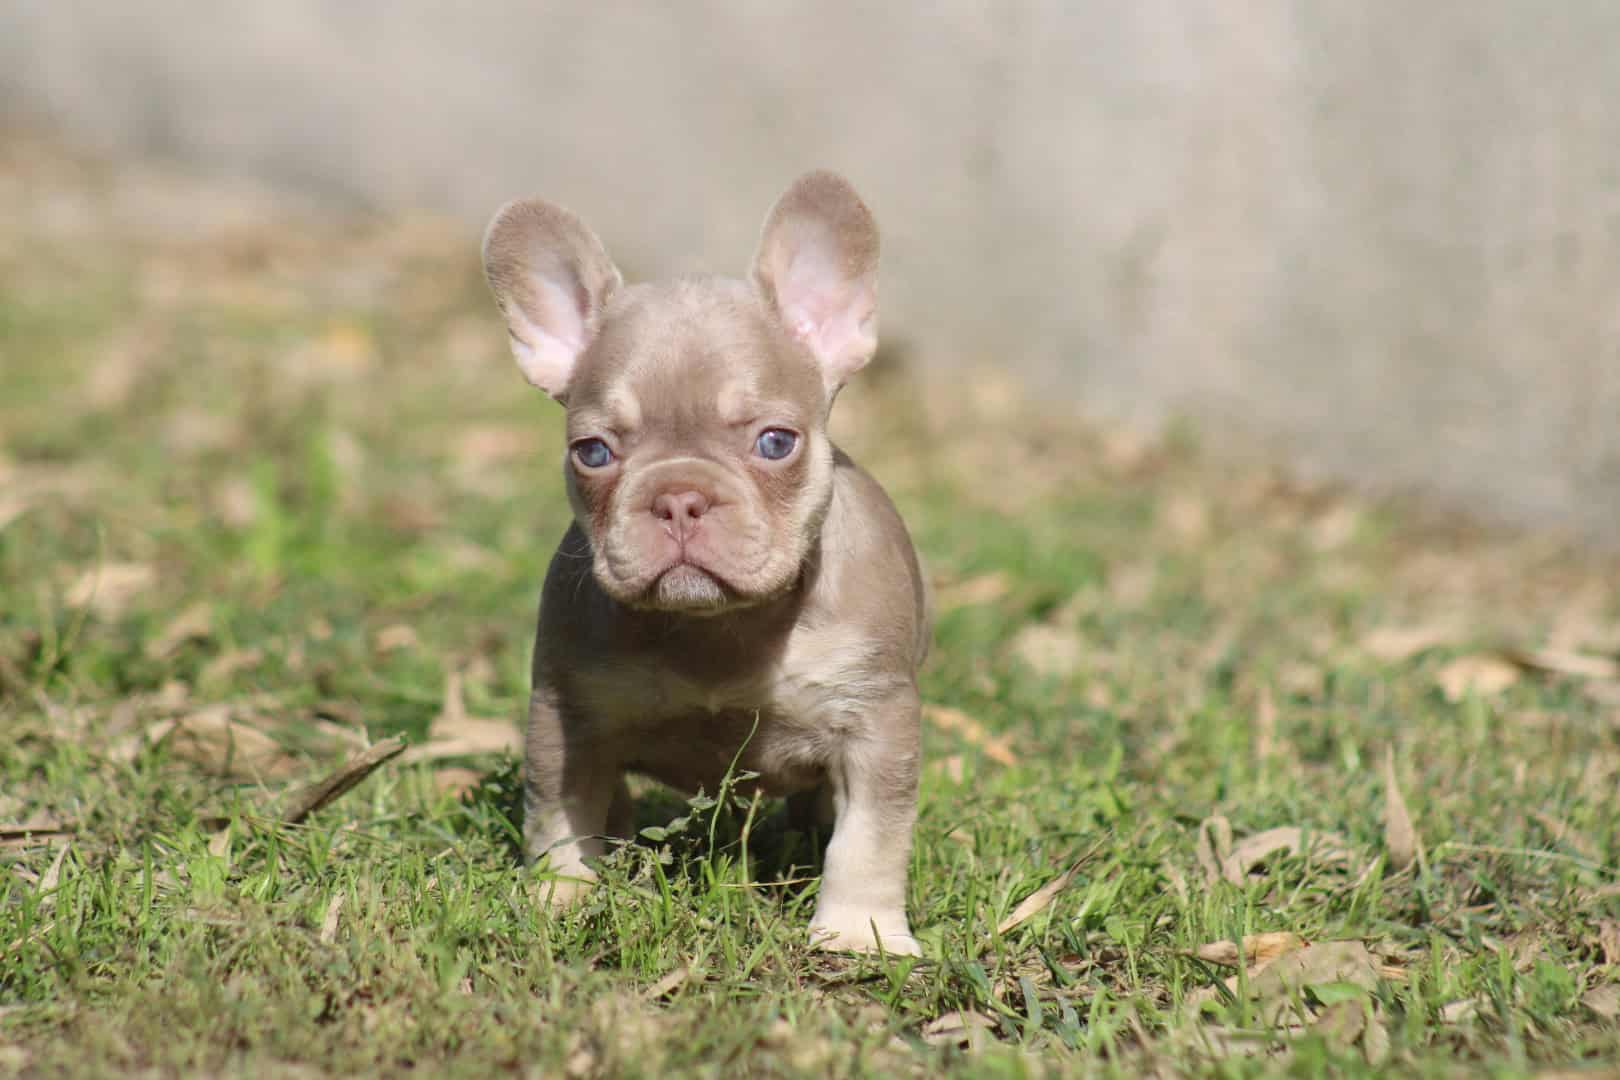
(695, 831)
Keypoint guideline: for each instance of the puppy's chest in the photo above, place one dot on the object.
(782, 719)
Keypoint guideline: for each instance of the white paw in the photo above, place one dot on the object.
(863, 932)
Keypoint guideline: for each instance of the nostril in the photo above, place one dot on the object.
(682, 505)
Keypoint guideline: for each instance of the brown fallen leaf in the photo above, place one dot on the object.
(456, 734)
(395, 637)
(1279, 985)
(1564, 662)
(973, 592)
(1603, 1000)
(1609, 940)
(195, 622)
(37, 829)
(109, 589)
(1251, 851)
(214, 740)
(668, 984)
(1392, 644)
(329, 923)
(1038, 901)
(1481, 674)
(1523, 948)
(1258, 950)
(959, 1028)
(1457, 1012)
(957, 722)
(304, 802)
(1400, 837)
(1343, 1023)
(53, 876)
(1048, 651)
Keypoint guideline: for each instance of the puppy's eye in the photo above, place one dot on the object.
(776, 443)
(592, 453)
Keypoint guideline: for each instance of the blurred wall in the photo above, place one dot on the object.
(1382, 236)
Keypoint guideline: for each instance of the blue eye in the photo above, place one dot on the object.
(775, 443)
(592, 453)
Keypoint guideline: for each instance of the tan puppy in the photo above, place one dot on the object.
(729, 570)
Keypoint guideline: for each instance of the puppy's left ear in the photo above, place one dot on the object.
(817, 267)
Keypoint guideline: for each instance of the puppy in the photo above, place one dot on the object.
(733, 587)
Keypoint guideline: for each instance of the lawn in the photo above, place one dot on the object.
(1225, 772)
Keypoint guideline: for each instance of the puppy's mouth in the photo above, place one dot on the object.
(690, 589)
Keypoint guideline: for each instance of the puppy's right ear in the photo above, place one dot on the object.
(551, 278)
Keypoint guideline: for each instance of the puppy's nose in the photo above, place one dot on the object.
(680, 509)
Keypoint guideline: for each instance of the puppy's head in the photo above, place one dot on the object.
(698, 462)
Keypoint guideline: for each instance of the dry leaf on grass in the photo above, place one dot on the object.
(395, 637)
(668, 984)
(1565, 662)
(313, 797)
(959, 1028)
(455, 734)
(1482, 674)
(1392, 644)
(957, 722)
(110, 589)
(1258, 950)
(329, 924)
(1038, 901)
(1609, 940)
(1603, 1000)
(456, 780)
(1400, 837)
(40, 828)
(194, 623)
(1457, 1012)
(214, 740)
(1048, 651)
(1252, 851)
(1277, 986)
(972, 592)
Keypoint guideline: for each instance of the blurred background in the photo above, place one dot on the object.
(1375, 239)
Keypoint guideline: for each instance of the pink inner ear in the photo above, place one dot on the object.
(827, 310)
(547, 345)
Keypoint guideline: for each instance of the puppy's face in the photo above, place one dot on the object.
(698, 462)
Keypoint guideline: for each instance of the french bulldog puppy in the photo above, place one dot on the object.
(733, 587)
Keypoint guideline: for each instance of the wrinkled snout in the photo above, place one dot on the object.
(680, 510)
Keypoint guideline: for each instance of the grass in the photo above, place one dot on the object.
(278, 468)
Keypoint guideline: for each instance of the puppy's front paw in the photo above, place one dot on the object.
(863, 931)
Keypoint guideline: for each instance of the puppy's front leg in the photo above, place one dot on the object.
(874, 788)
(567, 794)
